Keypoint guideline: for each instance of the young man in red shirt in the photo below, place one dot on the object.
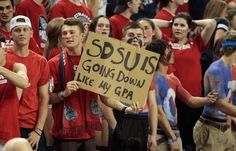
(34, 102)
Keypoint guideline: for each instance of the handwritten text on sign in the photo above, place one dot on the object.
(116, 69)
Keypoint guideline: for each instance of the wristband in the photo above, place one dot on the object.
(123, 110)
(37, 133)
(39, 129)
(172, 140)
(61, 95)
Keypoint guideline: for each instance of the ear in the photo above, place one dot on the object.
(129, 4)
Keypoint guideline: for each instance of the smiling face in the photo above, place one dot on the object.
(103, 26)
(180, 29)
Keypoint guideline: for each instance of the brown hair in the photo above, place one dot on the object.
(53, 32)
(214, 8)
(228, 37)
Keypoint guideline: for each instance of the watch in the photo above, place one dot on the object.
(61, 95)
(123, 110)
(172, 140)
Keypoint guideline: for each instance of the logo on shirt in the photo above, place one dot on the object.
(168, 105)
(94, 107)
(42, 31)
(69, 113)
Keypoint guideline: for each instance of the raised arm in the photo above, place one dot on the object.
(209, 26)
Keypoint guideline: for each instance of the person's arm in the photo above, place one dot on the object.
(153, 118)
(134, 108)
(18, 76)
(209, 26)
(159, 23)
(108, 114)
(164, 123)
(226, 107)
(196, 102)
(71, 87)
(34, 136)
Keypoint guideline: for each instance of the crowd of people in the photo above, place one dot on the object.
(190, 104)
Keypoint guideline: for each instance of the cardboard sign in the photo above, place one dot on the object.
(116, 69)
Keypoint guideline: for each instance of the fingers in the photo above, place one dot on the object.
(71, 86)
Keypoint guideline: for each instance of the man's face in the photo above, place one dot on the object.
(21, 35)
(71, 37)
(134, 37)
(134, 6)
(6, 11)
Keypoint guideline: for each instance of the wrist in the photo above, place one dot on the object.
(172, 140)
(123, 110)
(61, 95)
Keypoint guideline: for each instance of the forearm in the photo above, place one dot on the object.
(54, 98)
(196, 102)
(112, 103)
(153, 119)
(14, 78)
(226, 107)
(161, 23)
(164, 123)
(203, 22)
(43, 111)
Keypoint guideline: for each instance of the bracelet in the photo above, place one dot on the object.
(123, 110)
(37, 133)
(172, 140)
(39, 129)
(61, 95)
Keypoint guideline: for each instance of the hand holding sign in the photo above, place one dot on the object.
(116, 69)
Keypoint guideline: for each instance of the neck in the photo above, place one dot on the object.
(22, 51)
(162, 69)
(39, 2)
(182, 41)
(76, 2)
(228, 60)
(171, 8)
(75, 52)
(5, 26)
(126, 14)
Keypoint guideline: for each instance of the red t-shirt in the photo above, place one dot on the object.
(9, 106)
(165, 15)
(81, 127)
(38, 73)
(118, 22)
(38, 18)
(65, 9)
(187, 64)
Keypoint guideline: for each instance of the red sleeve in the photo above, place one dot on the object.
(45, 72)
(57, 11)
(181, 93)
(152, 86)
